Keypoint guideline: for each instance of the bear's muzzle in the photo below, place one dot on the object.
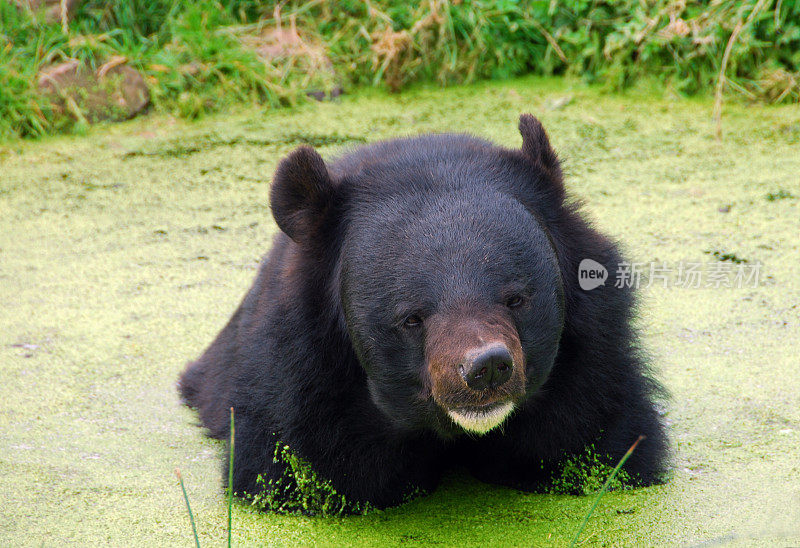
(476, 366)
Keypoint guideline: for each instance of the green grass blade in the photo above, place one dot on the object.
(189, 508)
(230, 480)
(602, 492)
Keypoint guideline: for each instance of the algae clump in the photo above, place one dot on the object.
(585, 473)
(300, 490)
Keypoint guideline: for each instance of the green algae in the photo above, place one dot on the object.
(117, 268)
(300, 490)
(585, 474)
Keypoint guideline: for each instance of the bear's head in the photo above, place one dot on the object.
(448, 282)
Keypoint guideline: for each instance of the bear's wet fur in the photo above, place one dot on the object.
(420, 309)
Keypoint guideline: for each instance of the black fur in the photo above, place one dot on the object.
(317, 355)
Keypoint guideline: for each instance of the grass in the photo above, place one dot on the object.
(189, 509)
(603, 491)
(230, 480)
(203, 56)
(230, 491)
(119, 263)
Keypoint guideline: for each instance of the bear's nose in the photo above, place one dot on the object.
(490, 368)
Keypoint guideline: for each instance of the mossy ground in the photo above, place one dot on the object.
(124, 252)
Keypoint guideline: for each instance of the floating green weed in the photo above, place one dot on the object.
(585, 474)
(780, 195)
(300, 490)
(725, 257)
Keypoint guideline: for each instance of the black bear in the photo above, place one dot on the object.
(421, 308)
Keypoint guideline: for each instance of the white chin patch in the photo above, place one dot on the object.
(480, 422)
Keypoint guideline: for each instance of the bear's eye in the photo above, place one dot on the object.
(514, 301)
(412, 321)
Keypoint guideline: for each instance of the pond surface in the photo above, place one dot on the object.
(123, 253)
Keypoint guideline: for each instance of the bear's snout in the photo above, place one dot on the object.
(488, 367)
(476, 366)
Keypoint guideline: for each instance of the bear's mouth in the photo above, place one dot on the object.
(480, 419)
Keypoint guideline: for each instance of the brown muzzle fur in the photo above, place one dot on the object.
(457, 337)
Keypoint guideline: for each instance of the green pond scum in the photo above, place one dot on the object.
(300, 490)
(123, 252)
(585, 474)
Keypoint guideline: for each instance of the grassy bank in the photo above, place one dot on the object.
(202, 56)
(122, 254)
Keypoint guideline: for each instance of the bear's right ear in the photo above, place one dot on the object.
(301, 194)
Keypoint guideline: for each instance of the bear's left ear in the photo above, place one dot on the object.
(536, 147)
(301, 194)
